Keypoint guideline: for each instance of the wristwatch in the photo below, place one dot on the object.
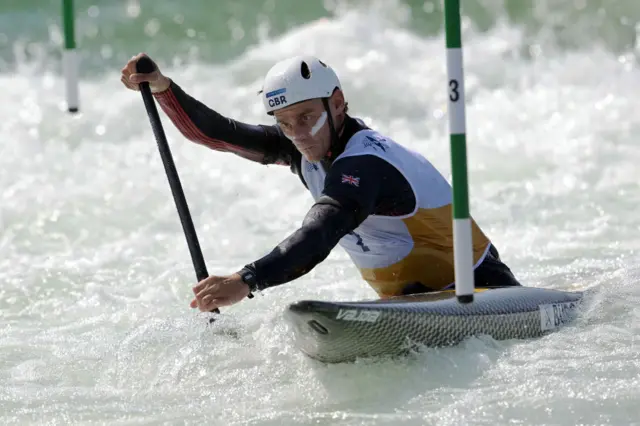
(249, 277)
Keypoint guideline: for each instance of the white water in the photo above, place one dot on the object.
(95, 274)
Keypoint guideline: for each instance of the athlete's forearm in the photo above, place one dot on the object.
(323, 227)
(200, 124)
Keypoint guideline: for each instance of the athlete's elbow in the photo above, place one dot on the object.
(325, 238)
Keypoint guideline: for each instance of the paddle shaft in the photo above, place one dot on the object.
(145, 65)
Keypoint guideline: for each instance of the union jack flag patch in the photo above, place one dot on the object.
(351, 180)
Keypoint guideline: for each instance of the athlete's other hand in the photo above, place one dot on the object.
(131, 79)
(214, 292)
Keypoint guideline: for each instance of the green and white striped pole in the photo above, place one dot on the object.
(462, 242)
(69, 57)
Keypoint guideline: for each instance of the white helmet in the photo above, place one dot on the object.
(297, 79)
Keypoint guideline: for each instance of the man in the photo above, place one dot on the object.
(386, 205)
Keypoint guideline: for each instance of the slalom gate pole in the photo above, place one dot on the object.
(69, 57)
(462, 241)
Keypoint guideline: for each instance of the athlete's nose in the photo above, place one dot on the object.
(301, 133)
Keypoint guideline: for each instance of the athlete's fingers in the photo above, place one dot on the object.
(128, 84)
(142, 77)
(208, 285)
(200, 286)
(209, 304)
(131, 64)
(223, 301)
(206, 290)
(205, 300)
(130, 67)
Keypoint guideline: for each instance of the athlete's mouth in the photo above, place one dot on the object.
(305, 146)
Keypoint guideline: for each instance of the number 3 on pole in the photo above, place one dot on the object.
(454, 95)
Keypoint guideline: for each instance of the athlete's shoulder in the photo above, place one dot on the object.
(368, 141)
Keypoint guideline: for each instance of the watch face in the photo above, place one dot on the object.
(249, 278)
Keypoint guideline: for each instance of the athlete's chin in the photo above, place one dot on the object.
(312, 155)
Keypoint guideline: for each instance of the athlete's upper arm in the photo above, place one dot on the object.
(355, 183)
(369, 185)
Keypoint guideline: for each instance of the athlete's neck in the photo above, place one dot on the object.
(340, 122)
(345, 128)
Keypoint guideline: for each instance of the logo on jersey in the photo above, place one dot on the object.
(311, 167)
(351, 180)
(376, 142)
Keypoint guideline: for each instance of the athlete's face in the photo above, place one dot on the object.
(307, 126)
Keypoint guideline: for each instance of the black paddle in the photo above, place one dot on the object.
(145, 66)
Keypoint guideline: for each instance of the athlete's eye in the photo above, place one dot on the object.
(306, 118)
(284, 125)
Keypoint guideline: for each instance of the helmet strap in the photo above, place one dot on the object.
(334, 147)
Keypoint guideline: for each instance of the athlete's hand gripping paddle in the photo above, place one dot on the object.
(144, 65)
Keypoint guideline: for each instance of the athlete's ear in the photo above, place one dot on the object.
(337, 101)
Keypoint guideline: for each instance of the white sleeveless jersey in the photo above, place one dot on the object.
(393, 251)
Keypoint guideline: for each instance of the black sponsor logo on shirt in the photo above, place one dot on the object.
(376, 143)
